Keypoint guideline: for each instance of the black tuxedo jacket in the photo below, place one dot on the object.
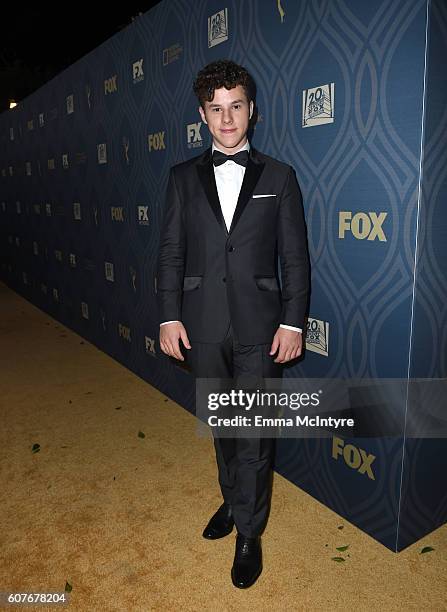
(208, 276)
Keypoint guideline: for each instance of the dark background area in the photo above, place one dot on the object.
(39, 42)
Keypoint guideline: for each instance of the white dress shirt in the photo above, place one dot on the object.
(229, 177)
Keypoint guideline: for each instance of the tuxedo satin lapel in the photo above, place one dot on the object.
(251, 176)
(205, 171)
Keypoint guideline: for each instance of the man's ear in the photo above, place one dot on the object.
(202, 114)
(251, 109)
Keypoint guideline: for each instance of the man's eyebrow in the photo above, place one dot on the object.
(233, 102)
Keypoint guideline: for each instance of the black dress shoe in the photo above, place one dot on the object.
(247, 565)
(220, 525)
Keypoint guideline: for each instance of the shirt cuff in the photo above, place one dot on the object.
(166, 322)
(297, 329)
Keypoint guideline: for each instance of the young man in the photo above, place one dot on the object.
(229, 213)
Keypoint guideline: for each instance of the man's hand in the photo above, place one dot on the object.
(289, 343)
(169, 339)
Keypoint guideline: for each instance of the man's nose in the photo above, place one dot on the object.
(227, 117)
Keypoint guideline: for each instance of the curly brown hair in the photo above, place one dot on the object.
(222, 73)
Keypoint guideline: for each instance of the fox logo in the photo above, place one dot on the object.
(362, 225)
(355, 458)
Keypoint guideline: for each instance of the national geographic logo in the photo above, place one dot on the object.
(80, 157)
(355, 458)
(362, 225)
(171, 54)
(193, 135)
(110, 85)
(156, 141)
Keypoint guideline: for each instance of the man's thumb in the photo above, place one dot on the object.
(184, 337)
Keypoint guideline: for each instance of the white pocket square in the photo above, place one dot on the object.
(264, 195)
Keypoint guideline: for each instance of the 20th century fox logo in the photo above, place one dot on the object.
(218, 28)
(318, 105)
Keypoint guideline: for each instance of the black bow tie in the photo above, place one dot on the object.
(241, 157)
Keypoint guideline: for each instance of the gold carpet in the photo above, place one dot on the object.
(119, 517)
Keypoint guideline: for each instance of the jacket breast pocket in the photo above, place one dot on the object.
(267, 283)
(268, 198)
(191, 282)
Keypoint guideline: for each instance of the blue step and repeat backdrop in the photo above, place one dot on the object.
(353, 95)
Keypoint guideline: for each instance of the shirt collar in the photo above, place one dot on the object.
(246, 147)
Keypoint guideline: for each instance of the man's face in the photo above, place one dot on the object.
(227, 116)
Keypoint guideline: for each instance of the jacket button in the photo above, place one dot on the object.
(230, 249)
(224, 279)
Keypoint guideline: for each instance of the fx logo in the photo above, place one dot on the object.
(143, 215)
(137, 71)
(362, 225)
(193, 133)
(110, 85)
(356, 458)
(150, 345)
(117, 213)
(156, 141)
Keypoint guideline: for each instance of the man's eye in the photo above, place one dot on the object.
(236, 106)
(216, 109)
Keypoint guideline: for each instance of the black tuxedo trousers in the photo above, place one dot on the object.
(244, 464)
